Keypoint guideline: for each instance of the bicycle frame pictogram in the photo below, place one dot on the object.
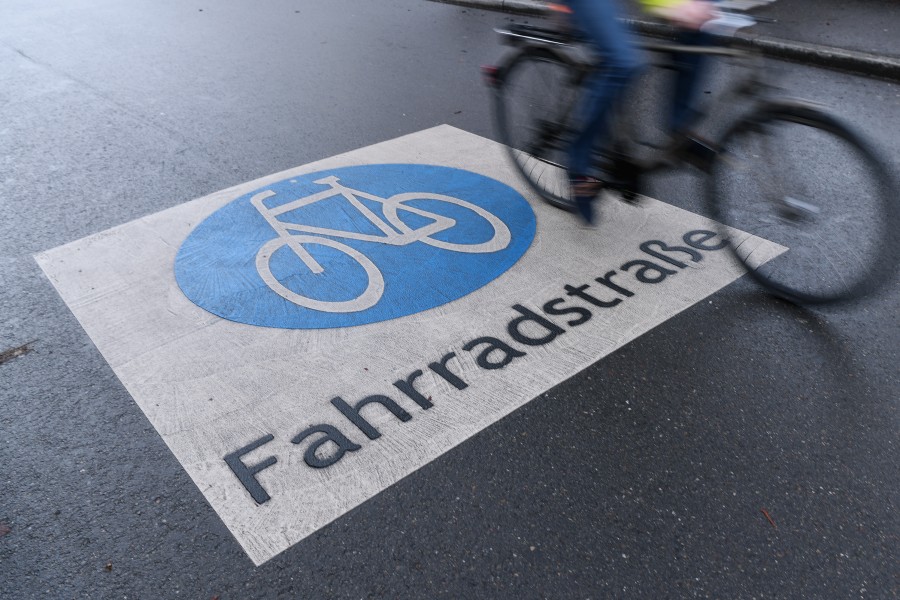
(394, 232)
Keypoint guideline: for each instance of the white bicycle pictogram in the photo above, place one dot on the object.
(394, 232)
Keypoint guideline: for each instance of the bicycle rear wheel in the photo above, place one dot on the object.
(798, 177)
(535, 96)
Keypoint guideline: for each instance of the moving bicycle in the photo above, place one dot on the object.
(783, 169)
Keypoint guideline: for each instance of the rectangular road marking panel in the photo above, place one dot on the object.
(215, 388)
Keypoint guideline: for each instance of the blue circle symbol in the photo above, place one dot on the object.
(354, 245)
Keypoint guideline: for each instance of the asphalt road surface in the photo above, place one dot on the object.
(746, 448)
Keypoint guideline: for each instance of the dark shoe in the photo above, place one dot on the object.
(583, 191)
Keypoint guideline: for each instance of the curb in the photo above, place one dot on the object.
(829, 57)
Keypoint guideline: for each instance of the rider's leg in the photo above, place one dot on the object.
(690, 70)
(598, 19)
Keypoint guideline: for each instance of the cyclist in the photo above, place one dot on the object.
(599, 21)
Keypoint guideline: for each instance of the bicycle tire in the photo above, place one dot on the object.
(835, 212)
(533, 91)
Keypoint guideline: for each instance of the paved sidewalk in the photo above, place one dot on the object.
(853, 36)
(864, 26)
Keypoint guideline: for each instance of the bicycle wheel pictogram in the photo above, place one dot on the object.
(400, 203)
(368, 298)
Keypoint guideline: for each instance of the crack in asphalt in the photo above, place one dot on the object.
(10, 354)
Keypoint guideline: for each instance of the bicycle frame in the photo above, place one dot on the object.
(573, 49)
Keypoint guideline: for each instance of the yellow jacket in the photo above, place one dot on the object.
(657, 4)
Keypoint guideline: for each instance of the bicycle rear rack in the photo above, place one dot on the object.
(517, 35)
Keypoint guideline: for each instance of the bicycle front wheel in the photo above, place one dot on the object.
(796, 176)
(535, 97)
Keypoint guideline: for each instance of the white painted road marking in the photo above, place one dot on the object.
(284, 430)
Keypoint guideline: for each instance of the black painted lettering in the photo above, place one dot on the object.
(493, 345)
(608, 282)
(581, 293)
(698, 237)
(352, 412)
(245, 474)
(550, 329)
(333, 435)
(551, 309)
(647, 247)
(645, 273)
(407, 386)
(441, 369)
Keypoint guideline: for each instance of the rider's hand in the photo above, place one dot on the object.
(691, 14)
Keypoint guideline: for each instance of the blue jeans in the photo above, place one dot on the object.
(598, 19)
(689, 69)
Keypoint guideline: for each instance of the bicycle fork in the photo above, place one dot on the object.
(271, 214)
